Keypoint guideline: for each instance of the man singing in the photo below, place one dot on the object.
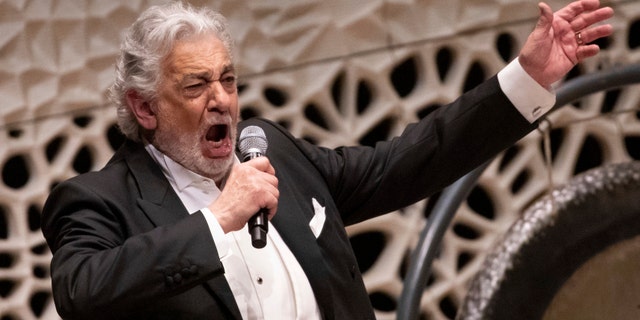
(161, 231)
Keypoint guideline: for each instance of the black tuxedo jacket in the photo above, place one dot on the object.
(124, 246)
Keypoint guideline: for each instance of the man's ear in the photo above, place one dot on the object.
(142, 110)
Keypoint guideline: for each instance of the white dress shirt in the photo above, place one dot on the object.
(529, 97)
(269, 283)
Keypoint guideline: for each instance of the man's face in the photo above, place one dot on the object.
(197, 107)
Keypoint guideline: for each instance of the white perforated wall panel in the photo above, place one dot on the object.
(334, 72)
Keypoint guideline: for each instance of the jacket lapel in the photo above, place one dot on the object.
(157, 199)
(293, 227)
(162, 206)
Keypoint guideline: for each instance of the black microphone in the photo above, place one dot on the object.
(252, 144)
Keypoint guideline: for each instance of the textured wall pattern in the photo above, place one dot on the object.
(334, 72)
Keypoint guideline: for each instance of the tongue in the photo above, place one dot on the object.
(217, 133)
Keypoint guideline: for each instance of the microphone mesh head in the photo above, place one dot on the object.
(252, 140)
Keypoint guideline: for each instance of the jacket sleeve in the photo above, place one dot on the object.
(105, 262)
(429, 155)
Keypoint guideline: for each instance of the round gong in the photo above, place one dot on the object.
(607, 286)
(573, 255)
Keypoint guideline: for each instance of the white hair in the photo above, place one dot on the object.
(147, 42)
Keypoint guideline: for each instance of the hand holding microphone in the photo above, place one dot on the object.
(250, 194)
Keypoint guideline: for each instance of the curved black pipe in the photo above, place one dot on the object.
(452, 196)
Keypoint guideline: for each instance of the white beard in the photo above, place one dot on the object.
(185, 150)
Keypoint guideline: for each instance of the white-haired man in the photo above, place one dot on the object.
(159, 232)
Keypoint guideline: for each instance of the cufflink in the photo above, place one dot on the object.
(536, 111)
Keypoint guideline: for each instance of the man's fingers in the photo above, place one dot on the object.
(262, 164)
(587, 51)
(576, 8)
(587, 19)
(595, 33)
(546, 16)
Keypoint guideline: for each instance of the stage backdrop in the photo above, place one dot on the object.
(334, 72)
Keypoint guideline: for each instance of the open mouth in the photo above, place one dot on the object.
(217, 132)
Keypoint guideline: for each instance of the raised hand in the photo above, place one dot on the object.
(562, 39)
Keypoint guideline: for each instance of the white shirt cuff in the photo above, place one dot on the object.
(528, 96)
(217, 233)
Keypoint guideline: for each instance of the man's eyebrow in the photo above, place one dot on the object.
(207, 74)
(196, 75)
(228, 68)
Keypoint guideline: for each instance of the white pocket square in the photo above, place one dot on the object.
(317, 222)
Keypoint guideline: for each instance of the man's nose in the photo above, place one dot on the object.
(220, 97)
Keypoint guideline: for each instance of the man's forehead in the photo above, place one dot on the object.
(205, 74)
(198, 57)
